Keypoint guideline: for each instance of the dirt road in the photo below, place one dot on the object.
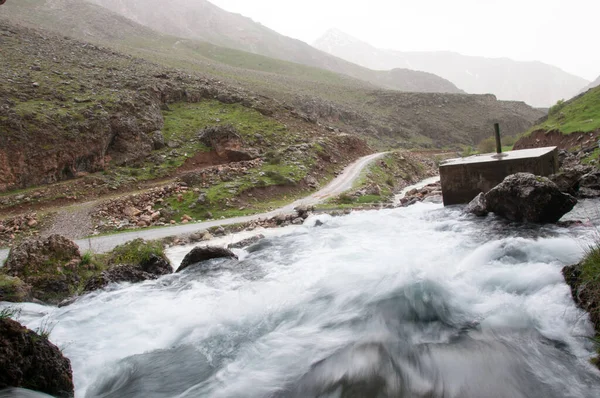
(338, 185)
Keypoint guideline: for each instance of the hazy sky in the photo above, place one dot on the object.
(559, 32)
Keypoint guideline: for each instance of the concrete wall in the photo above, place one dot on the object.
(461, 182)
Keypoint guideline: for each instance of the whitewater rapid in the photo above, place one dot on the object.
(422, 301)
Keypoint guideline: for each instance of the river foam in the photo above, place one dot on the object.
(423, 301)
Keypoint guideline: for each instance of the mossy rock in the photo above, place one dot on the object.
(13, 289)
(51, 266)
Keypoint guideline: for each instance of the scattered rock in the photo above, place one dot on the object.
(30, 361)
(568, 180)
(203, 253)
(246, 242)
(526, 197)
(131, 211)
(158, 140)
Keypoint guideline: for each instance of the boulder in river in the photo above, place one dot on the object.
(30, 361)
(526, 197)
(204, 253)
(133, 262)
(147, 269)
(477, 206)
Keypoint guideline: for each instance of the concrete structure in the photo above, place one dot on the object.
(464, 178)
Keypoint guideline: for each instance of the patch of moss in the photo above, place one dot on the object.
(12, 289)
(134, 252)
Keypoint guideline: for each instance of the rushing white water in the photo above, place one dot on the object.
(415, 302)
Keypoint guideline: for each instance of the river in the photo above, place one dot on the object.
(422, 301)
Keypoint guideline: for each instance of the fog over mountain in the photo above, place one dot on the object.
(593, 84)
(536, 83)
(203, 20)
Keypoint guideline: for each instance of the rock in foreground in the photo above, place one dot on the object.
(204, 253)
(526, 197)
(30, 361)
(51, 267)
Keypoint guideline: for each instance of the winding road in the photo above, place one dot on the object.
(338, 185)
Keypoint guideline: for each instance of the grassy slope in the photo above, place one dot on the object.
(582, 114)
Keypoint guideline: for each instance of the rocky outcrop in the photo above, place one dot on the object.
(30, 361)
(147, 269)
(68, 108)
(51, 267)
(227, 142)
(569, 179)
(204, 253)
(526, 197)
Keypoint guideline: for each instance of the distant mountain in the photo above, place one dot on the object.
(593, 84)
(203, 20)
(536, 83)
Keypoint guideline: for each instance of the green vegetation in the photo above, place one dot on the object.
(379, 182)
(12, 289)
(45, 329)
(589, 281)
(590, 266)
(488, 145)
(9, 312)
(581, 114)
(183, 121)
(134, 252)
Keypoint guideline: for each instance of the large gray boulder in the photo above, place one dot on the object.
(526, 197)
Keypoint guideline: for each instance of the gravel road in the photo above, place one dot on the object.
(338, 185)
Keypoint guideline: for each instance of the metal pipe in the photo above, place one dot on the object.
(498, 141)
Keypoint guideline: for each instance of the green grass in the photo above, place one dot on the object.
(590, 266)
(580, 115)
(9, 313)
(184, 120)
(135, 252)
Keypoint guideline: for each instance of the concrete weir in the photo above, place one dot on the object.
(464, 178)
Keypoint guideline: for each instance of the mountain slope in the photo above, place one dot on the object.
(593, 84)
(573, 124)
(202, 20)
(536, 83)
(387, 118)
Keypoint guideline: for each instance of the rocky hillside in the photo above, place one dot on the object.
(201, 20)
(69, 108)
(537, 84)
(569, 124)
